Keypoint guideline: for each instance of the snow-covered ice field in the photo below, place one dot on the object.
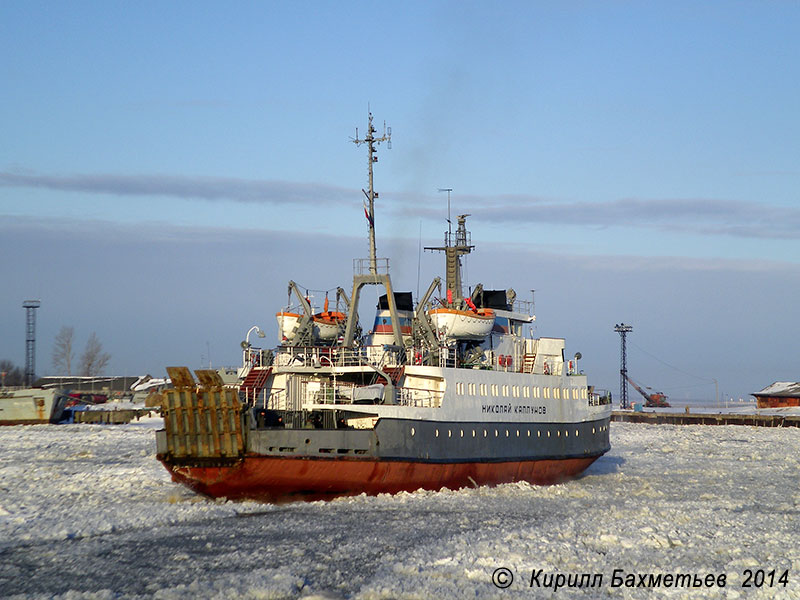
(87, 512)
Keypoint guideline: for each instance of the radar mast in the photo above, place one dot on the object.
(372, 157)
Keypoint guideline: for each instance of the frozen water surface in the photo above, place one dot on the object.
(87, 512)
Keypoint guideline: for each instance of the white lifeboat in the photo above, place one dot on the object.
(463, 324)
(326, 325)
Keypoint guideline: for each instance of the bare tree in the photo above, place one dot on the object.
(63, 351)
(10, 374)
(94, 360)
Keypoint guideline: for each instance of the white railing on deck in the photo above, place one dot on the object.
(361, 266)
(419, 397)
(323, 356)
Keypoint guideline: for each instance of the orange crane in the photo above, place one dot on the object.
(656, 399)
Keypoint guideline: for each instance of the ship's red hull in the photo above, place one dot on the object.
(278, 479)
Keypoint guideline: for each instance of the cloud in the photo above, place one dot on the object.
(698, 216)
(205, 188)
(694, 216)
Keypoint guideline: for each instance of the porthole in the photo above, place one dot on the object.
(413, 431)
(593, 431)
(517, 432)
(558, 433)
(437, 433)
(496, 433)
(462, 433)
(538, 434)
(548, 434)
(566, 433)
(577, 433)
(485, 433)
(449, 433)
(529, 433)
(473, 433)
(506, 432)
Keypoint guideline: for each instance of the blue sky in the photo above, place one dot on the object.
(167, 167)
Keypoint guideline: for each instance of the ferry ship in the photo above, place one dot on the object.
(450, 392)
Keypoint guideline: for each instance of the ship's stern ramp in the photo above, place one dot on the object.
(202, 423)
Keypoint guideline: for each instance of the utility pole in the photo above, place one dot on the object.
(623, 330)
(30, 307)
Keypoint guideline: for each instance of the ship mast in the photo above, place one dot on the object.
(372, 157)
(454, 248)
(374, 277)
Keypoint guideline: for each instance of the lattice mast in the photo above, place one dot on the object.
(372, 157)
(623, 330)
(30, 307)
(454, 248)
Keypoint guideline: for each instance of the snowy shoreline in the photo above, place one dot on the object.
(665, 499)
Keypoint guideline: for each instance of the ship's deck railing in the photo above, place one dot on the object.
(387, 355)
(255, 357)
(324, 356)
(342, 394)
(421, 356)
(275, 399)
(419, 397)
(361, 266)
(524, 306)
(600, 398)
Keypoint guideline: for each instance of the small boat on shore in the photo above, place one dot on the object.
(31, 406)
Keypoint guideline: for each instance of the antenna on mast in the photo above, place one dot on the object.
(372, 156)
(454, 248)
(449, 222)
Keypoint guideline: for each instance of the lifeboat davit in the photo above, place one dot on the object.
(463, 324)
(326, 325)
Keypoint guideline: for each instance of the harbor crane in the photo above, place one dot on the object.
(654, 400)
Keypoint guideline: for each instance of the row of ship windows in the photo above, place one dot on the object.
(517, 391)
(595, 431)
